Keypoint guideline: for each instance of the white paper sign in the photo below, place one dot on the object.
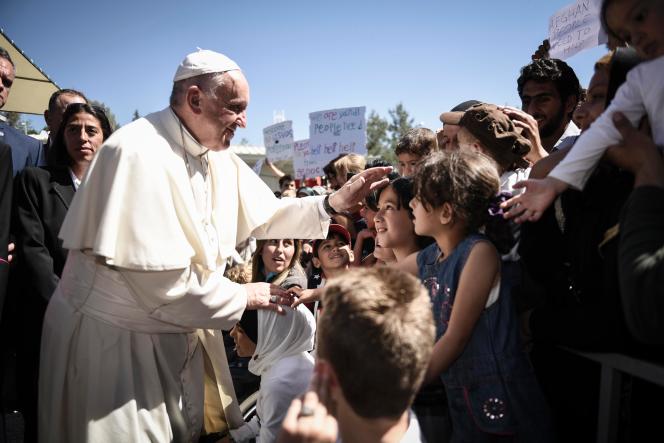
(574, 28)
(304, 164)
(278, 140)
(334, 132)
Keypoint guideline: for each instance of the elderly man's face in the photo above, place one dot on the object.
(7, 75)
(221, 116)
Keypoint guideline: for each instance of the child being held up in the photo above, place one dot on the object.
(639, 24)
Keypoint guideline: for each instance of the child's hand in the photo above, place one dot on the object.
(304, 296)
(530, 205)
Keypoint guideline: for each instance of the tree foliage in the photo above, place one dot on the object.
(15, 120)
(384, 134)
(136, 115)
(109, 114)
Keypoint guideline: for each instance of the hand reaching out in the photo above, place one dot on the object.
(267, 296)
(530, 205)
(305, 296)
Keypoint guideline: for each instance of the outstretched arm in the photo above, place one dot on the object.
(531, 204)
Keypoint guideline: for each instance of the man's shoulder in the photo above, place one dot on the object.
(140, 137)
(16, 138)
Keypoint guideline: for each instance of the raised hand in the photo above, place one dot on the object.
(530, 205)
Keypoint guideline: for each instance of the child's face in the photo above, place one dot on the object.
(277, 255)
(426, 222)
(639, 23)
(333, 253)
(394, 227)
(408, 164)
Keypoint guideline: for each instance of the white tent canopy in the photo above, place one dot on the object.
(32, 88)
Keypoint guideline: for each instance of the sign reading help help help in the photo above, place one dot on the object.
(331, 133)
(278, 139)
(574, 28)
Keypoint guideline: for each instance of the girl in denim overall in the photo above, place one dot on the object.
(492, 392)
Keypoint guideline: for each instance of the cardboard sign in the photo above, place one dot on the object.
(331, 133)
(574, 28)
(278, 139)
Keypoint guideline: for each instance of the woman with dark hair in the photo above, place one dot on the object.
(41, 199)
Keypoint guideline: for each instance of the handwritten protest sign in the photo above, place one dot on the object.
(278, 139)
(574, 28)
(331, 133)
(304, 164)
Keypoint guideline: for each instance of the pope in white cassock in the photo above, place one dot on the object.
(149, 232)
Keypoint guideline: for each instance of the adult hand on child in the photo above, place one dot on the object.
(358, 187)
(267, 296)
(530, 205)
(637, 153)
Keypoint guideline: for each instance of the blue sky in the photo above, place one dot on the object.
(299, 56)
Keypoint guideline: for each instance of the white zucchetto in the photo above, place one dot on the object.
(202, 62)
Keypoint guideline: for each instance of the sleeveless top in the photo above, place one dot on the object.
(491, 387)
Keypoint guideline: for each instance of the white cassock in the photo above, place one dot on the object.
(149, 232)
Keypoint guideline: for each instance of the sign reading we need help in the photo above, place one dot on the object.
(574, 28)
(278, 139)
(334, 132)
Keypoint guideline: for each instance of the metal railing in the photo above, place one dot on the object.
(613, 367)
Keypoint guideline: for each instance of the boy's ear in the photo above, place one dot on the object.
(316, 262)
(446, 214)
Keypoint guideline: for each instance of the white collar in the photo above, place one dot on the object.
(191, 145)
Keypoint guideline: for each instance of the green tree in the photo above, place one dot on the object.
(244, 142)
(377, 138)
(109, 114)
(136, 115)
(13, 119)
(400, 123)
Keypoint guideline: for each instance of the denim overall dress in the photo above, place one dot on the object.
(491, 389)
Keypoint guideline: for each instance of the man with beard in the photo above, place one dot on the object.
(550, 92)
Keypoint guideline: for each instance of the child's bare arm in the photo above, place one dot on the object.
(305, 296)
(359, 244)
(530, 205)
(477, 278)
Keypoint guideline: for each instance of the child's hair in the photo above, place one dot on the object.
(238, 274)
(404, 189)
(349, 164)
(377, 332)
(258, 268)
(417, 141)
(371, 200)
(467, 180)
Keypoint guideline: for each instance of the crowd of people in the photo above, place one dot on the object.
(154, 282)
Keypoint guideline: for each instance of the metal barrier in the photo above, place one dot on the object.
(613, 367)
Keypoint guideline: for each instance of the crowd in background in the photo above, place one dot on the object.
(519, 261)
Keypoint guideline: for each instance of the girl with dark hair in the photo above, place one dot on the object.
(394, 220)
(41, 200)
(491, 388)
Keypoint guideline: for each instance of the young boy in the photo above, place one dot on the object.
(412, 147)
(332, 256)
(375, 339)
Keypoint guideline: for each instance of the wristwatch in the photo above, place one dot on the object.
(328, 207)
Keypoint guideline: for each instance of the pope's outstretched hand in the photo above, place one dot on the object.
(358, 187)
